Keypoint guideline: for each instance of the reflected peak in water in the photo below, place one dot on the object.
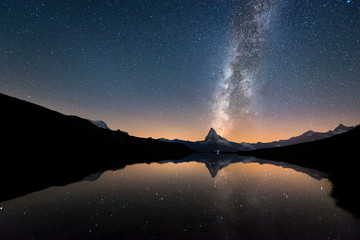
(216, 162)
(241, 198)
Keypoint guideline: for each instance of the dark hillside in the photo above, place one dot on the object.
(41, 147)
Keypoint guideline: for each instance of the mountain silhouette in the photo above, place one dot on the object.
(44, 147)
(216, 143)
(308, 136)
(212, 143)
(27, 125)
(214, 137)
(345, 144)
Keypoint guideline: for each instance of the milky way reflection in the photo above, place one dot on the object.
(216, 200)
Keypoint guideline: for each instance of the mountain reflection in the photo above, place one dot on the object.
(216, 162)
(241, 198)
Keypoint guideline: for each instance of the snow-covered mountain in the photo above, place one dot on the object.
(341, 129)
(214, 142)
(308, 136)
(214, 137)
(99, 123)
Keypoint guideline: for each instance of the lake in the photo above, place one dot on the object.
(200, 197)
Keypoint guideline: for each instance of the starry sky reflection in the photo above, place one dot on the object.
(183, 200)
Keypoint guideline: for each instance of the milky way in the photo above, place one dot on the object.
(236, 93)
(255, 70)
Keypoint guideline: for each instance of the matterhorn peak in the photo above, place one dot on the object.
(212, 135)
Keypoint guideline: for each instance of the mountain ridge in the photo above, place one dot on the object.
(40, 143)
(212, 143)
(25, 118)
(216, 143)
(307, 136)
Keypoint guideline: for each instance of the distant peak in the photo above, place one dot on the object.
(308, 133)
(212, 135)
(341, 127)
(99, 123)
(212, 131)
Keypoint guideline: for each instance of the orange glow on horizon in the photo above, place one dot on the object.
(193, 128)
(249, 135)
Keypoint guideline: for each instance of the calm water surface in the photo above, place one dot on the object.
(212, 197)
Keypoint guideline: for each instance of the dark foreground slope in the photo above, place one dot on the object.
(323, 153)
(41, 147)
(338, 155)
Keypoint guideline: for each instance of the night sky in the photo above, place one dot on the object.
(254, 70)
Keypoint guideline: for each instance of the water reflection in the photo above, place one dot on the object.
(203, 196)
(215, 163)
